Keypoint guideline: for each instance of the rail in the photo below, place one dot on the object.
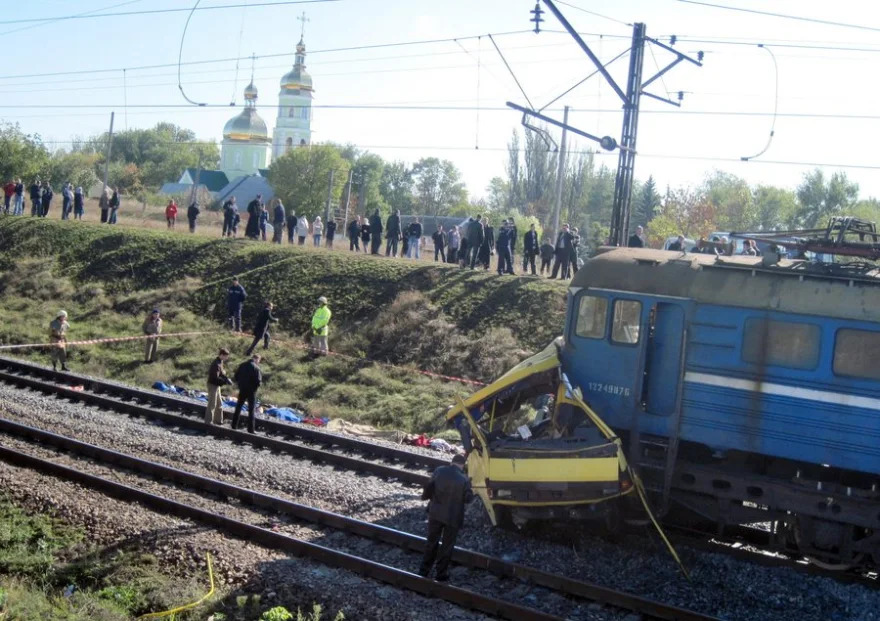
(383, 534)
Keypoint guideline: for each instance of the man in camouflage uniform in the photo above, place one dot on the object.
(152, 328)
(58, 337)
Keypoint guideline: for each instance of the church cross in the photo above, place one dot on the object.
(303, 19)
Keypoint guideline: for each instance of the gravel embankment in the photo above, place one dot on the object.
(724, 586)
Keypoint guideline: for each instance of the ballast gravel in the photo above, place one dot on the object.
(726, 587)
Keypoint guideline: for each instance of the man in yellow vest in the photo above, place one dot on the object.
(320, 327)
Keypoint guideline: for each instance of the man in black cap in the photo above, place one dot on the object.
(448, 490)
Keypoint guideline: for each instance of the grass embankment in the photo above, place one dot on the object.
(48, 572)
(432, 317)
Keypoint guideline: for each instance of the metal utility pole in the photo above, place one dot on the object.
(194, 193)
(109, 150)
(630, 98)
(347, 200)
(329, 197)
(627, 158)
(560, 176)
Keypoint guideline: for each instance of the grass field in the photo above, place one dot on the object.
(413, 314)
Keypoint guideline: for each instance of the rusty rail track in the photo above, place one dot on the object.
(405, 466)
(406, 541)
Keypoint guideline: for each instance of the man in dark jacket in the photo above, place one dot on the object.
(448, 490)
(546, 256)
(573, 255)
(278, 217)
(474, 235)
(36, 198)
(192, 214)
(249, 377)
(254, 208)
(261, 329)
(514, 233)
(502, 248)
(291, 225)
(562, 252)
(330, 232)
(439, 238)
(216, 380)
(414, 237)
(392, 234)
(375, 232)
(235, 297)
(530, 249)
(46, 199)
(637, 239)
(354, 235)
(229, 209)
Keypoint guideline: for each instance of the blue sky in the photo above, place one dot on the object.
(677, 146)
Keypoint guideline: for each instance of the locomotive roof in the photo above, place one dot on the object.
(789, 286)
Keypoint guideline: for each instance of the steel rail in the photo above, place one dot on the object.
(271, 539)
(281, 446)
(400, 539)
(196, 409)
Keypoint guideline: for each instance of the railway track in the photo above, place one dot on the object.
(260, 502)
(303, 442)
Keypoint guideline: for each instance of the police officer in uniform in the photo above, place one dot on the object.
(448, 490)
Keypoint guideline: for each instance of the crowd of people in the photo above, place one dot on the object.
(41, 196)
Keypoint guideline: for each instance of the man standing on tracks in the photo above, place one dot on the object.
(249, 377)
(235, 297)
(321, 327)
(261, 329)
(448, 491)
(216, 381)
(152, 328)
(58, 328)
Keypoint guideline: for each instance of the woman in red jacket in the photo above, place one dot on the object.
(171, 213)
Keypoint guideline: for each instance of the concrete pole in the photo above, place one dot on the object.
(109, 150)
(347, 199)
(560, 177)
(329, 197)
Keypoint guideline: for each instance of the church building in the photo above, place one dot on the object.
(293, 126)
(244, 149)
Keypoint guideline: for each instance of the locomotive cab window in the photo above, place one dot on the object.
(857, 354)
(627, 321)
(591, 317)
(781, 343)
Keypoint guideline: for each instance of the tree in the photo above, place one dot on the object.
(300, 178)
(774, 206)
(515, 197)
(540, 175)
(396, 186)
(78, 168)
(820, 200)
(685, 211)
(160, 153)
(645, 204)
(23, 155)
(498, 193)
(732, 198)
(438, 186)
(367, 169)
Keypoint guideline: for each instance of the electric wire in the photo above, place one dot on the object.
(613, 19)
(775, 107)
(566, 92)
(180, 55)
(799, 18)
(46, 21)
(159, 11)
(512, 74)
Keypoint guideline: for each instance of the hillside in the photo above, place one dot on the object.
(421, 314)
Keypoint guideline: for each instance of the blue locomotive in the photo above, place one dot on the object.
(744, 390)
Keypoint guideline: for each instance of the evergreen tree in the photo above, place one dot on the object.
(645, 204)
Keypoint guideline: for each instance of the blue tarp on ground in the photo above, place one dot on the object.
(288, 414)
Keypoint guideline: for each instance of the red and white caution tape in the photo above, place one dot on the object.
(118, 339)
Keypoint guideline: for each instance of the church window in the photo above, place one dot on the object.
(305, 112)
(255, 160)
(291, 113)
(238, 160)
(288, 143)
(302, 142)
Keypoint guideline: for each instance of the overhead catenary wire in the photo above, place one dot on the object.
(583, 10)
(512, 74)
(51, 20)
(775, 107)
(801, 18)
(218, 7)
(180, 55)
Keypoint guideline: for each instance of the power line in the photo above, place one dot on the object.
(799, 18)
(258, 56)
(179, 10)
(80, 15)
(613, 19)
